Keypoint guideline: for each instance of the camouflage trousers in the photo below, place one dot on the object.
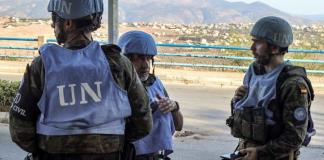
(152, 156)
(50, 156)
(248, 143)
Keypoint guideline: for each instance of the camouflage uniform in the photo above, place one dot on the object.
(293, 90)
(24, 113)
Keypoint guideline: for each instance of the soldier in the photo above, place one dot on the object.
(79, 100)
(140, 48)
(270, 112)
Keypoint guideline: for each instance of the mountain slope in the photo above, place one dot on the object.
(167, 11)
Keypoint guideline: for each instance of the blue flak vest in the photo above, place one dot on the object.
(80, 95)
(160, 137)
(261, 90)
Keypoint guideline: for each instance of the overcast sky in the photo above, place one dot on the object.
(300, 7)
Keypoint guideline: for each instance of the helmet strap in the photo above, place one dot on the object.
(153, 66)
(61, 36)
(78, 33)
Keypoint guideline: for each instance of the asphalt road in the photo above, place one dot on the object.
(205, 110)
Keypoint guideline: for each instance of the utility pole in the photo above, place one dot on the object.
(112, 21)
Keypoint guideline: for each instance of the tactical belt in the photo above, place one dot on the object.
(153, 156)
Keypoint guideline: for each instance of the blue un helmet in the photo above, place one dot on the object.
(274, 30)
(89, 11)
(137, 43)
(75, 9)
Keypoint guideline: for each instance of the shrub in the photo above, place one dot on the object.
(8, 91)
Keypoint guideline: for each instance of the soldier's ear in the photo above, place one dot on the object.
(275, 50)
(69, 25)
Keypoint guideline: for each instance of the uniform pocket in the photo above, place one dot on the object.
(246, 129)
(259, 132)
(236, 129)
(259, 126)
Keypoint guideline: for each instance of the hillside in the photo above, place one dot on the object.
(168, 11)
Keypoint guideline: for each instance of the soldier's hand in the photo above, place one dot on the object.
(166, 105)
(251, 154)
(240, 92)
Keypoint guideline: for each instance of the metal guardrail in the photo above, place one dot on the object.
(232, 57)
(162, 45)
(17, 39)
(181, 54)
(51, 40)
(233, 48)
(12, 56)
(242, 68)
(19, 48)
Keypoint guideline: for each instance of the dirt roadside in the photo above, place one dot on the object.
(186, 76)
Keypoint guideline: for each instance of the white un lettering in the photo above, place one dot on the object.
(63, 6)
(85, 88)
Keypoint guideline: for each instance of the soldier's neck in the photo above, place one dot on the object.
(77, 41)
(277, 60)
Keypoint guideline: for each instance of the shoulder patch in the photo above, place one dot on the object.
(303, 89)
(300, 114)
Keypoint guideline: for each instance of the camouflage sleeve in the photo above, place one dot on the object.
(139, 124)
(24, 111)
(295, 101)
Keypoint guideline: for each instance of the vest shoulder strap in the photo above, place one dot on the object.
(111, 49)
(291, 71)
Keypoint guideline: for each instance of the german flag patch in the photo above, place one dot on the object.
(303, 89)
